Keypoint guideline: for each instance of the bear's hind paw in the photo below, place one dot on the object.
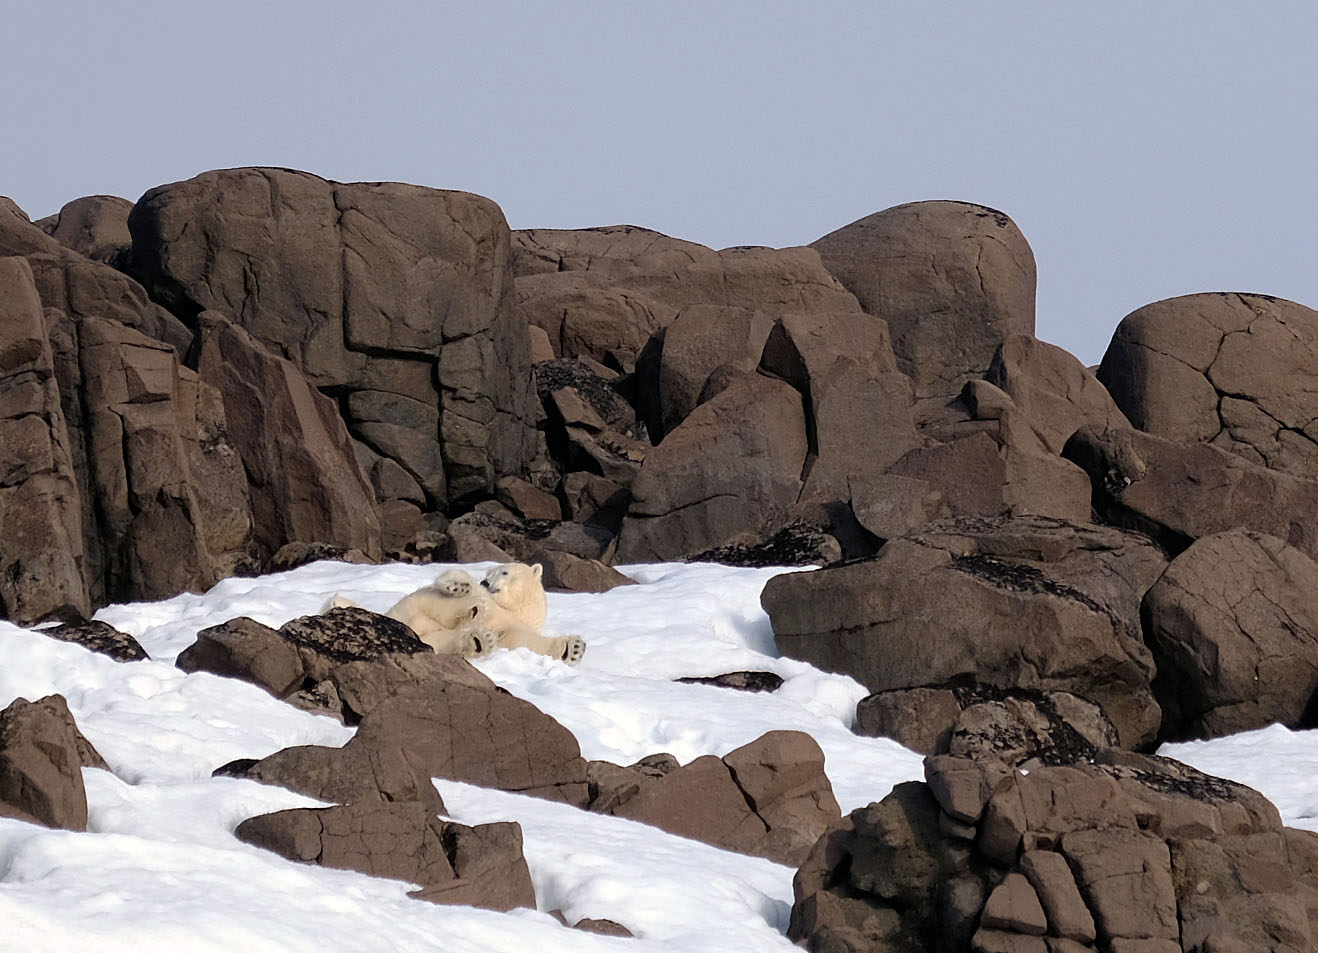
(574, 649)
(453, 585)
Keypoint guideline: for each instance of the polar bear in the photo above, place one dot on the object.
(456, 616)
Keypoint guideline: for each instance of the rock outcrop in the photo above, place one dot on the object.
(1029, 602)
(42, 754)
(951, 279)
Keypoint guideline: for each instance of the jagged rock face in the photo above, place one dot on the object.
(1234, 370)
(1234, 630)
(1113, 851)
(42, 547)
(953, 280)
(583, 316)
(302, 473)
(1026, 602)
(167, 490)
(95, 226)
(395, 291)
(1179, 492)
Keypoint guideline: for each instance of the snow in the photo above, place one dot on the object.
(159, 867)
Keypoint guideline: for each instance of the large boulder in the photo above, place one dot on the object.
(42, 754)
(424, 717)
(702, 339)
(1027, 602)
(953, 281)
(42, 546)
(1234, 370)
(1233, 627)
(95, 226)
(303, 478)
(1178, 492)
(769, 798)
(726, 475)
(583, 316)
(480, 866)
(369, 286)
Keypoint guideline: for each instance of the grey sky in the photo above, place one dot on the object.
(1146, 149)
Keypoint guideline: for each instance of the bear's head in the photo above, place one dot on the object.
(515, 586)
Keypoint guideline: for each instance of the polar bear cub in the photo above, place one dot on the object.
(456, 616)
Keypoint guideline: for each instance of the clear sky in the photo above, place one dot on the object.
(1146, 149)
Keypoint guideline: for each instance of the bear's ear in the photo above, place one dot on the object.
(537, 569)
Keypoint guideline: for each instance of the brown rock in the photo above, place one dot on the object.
(369, 286)
(347, 635)
(169, 489)
(680, 274)
(859, 410)
(574, 574)
(303, 477)
(1014, 906)
(95, 226)
(952, 280)
(1235, 370)
(41, 763)
(527, 501)
(738, 681)
(701, 339)
(1235, 636)
(918, 718)
(246, 649)
(42, 551)
(730, 469)
(99, 637)
(962, 786)
(581, 315)
(955, 600)
(602, 927)
(1051, 877)
(1126, 876)
(489, 857)
(1180, 492)
(1057, 394)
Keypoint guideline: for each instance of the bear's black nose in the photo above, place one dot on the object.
(485, 583)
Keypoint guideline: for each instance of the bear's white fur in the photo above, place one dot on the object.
(456, 616)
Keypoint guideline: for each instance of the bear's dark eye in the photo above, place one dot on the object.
(475, 610)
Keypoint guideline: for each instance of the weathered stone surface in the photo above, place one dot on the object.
(166, 488)
(401, 841)
(680, 273)
(859, 406)
(1056, 393)
(582, 315)
(1234, 631)
(1051, 876)
(347, 635)
(952, 280)
(246, 649)
(701, 339)
(303, 479)
(1236, 370)
(731, 469)
(42, 561)
(1179, 492)
(1117, 851)
(368, 286)
(1053, 725)
(527, 501)
(95, 226)
(41, 758)
(1000, 602)
(573, 574)
(99, 637)
(770, 797)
